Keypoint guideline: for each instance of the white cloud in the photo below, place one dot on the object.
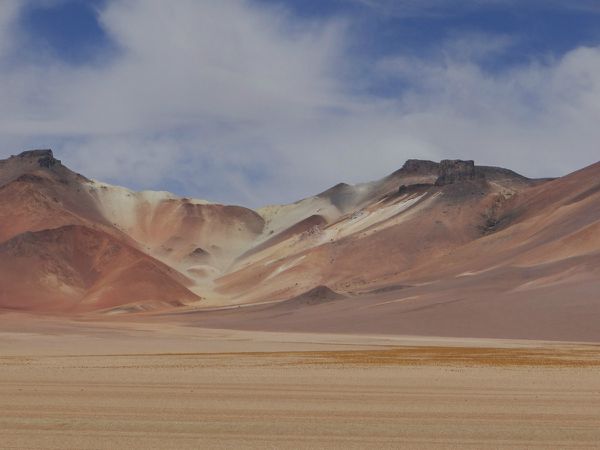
(539, 118)
(9, 9)
(243, 103)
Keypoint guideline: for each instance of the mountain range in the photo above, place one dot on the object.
(448, 248)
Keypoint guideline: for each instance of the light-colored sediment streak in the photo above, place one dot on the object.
(270, 390)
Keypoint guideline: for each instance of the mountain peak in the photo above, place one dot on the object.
(38, 162)
(36, 153)
(420, 166)
(44, 157)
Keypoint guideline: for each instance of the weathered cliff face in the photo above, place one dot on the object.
(45, 158)
(455, 170)
(447, 172)
(420, 167)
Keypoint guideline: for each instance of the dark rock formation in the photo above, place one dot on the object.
(316, 296)
(417, 187)
(455, 170)
(36, 154)
(199, 253)
(420, 167)
(45, 158)
(48, 161)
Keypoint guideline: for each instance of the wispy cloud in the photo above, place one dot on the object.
(9, 10)
(237, 102)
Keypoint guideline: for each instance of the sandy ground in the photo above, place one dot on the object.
(162, 386)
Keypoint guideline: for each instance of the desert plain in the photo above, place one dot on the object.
(128, 383)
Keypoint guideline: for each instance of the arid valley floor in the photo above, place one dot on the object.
(131, 384)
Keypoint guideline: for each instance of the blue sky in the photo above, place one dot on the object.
(262, 101)
(70, 29)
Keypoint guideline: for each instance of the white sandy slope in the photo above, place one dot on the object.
(169, 228)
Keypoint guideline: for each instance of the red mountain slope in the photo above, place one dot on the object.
(78, 269)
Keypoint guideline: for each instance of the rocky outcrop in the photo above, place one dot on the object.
(40, 162)
(199, 254)
(35, 154)
(455, 170)
(420, 167)
(48, 161)
(448, 171)
(316, 296)
(45, 158)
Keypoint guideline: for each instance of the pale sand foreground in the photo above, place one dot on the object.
(117, 385)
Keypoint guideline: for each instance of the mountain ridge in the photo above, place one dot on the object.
(428, 227)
